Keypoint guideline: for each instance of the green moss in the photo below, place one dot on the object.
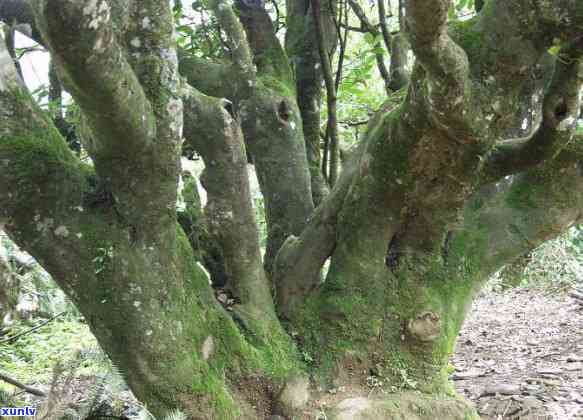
(280, 86)
(466, 35)
(521, 196)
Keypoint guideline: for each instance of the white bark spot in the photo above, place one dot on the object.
(136, 43)
(98, 15)
(149, 333)
(137, 304)
(45, 225)
(208, 347)
(174, 109)
(135, 289)
(565, 124)
(79, 235)
(90, 8)
(146, 22)
(204, 270)
(62, 231)
(292, 125)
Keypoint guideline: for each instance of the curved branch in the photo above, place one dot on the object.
(241, 51)
(19, 13)
(17, 384)
(268, 54)
(128, 98)
(509, 219)
(99, 77)
(39, 176)
(211, 129)
(561, 108)
(444, 61)
(209, 77)
(301, 258)
(31, 330)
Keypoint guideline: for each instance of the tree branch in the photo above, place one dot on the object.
(113, 101)
(19, 13)
(299, 262)
(209, 77)
(211, 129)
(17, 384)
(302, 50)
(241, 53)
(332, 127)
(33, 329)
(384, 26)
(511, 218)
(56, 180)
(268, 54)
(374, 31)
(128, 101)
(561, 108)
(444, 61)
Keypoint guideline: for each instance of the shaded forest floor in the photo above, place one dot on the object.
(520, 356)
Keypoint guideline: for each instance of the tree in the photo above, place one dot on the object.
(479, 164)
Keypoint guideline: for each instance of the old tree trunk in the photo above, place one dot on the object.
(479, 164)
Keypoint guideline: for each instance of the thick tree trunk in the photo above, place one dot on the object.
(439, 195)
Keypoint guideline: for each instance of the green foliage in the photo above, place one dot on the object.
(198, 31)
(32, 357)
(173, 415)
(556, 264)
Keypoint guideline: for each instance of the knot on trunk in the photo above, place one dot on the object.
(425, 327)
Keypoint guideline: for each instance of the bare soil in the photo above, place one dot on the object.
(520, 356)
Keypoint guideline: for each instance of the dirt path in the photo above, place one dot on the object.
(520, 356)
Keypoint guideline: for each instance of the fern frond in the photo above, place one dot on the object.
(176, 415)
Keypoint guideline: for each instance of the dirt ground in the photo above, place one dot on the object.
(520, 356)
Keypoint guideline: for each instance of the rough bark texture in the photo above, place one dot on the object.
(301, 47)
(478, 165)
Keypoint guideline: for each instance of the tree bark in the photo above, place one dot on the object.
(302, 48)
(478, 165)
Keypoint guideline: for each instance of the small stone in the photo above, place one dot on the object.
(573, 367)
(502, 389)
(468, 374)
(207, 347)
(294, 396)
